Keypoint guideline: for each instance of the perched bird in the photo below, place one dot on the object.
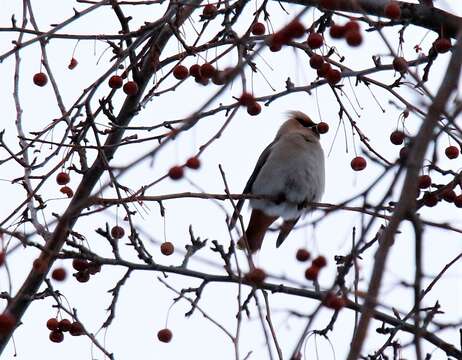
(291, 170)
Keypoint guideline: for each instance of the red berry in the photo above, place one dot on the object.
(167, 248)
(195, 70)
(458, 201)
(175, 172)
(7, 323)
(316, 61)
(66, 190)
(449, 195)
(52, 324)
(295, 29)
(424, 181)
(76, 329)
(400, 64)
(193, 163)
(202, 80)
(64, 325)
(72, 64)
(208, 70)
(354, 38)
(62, 178)
(275, 47)
(56, 336)
(82, 276)
(180, 72)
(80, 264)
(254, 109)
(302, 255)
(358, 163)
(334, 302)
(352, 26)
(219, 78)
(397, 137)
(392, 10)
(333, 76)
(312, 273)
(442, 45)
(337, 31)
(430, 199)
(59, 274)
(164, 335)
(452, 152)
(315, 40)
(324, 69)
(403, 153)
(209, 11)
(320, 262)
(258, 28)
(255, 276)
(130, 88)
(322, 127)
(40, 79)
(94, 268)
(117, 232)
(246, 99)
(115, 82)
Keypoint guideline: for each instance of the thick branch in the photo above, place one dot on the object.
(421, 15)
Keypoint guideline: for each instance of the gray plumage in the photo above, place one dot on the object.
(291, 169)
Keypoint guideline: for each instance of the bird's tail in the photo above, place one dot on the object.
(258, 224)
(286, 227)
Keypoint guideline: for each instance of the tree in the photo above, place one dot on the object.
(107, 153)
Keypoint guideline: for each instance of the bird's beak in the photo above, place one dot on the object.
(315, 129)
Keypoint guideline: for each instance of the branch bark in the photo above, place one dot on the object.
(21, 301)
(407, 202)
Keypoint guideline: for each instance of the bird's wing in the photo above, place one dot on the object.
(248, 187)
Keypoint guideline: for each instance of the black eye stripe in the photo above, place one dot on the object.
(304, 123)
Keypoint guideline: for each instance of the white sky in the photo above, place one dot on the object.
(144, 302)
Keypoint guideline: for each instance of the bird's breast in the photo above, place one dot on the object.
(293, 171)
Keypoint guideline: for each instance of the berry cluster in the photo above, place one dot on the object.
(325, 70)
(85, 269)
(293, 30)
(59, 327)
(130, 87)
(351, 32)
(312, 272)
(248, 100)
(176, 172)
(431, 198)
(63, 178)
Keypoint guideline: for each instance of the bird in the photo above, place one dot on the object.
(290, 170)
